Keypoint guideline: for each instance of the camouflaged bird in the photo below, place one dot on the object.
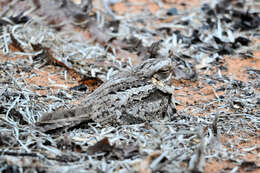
(130, 97)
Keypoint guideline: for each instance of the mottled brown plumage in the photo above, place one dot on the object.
(130, 97)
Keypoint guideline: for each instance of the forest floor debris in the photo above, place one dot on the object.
(218, 124)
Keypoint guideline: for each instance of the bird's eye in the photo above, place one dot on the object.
(162, 74)
(164, 70)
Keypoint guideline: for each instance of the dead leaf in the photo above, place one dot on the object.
(91, 82)
(100, 146)
(88, 83)
(47, 56)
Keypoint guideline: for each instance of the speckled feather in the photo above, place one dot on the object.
(130, 97)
